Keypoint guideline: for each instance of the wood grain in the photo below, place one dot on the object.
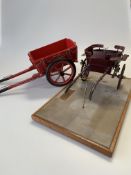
(108, 151)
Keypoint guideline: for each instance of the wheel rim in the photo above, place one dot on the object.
(61, 73)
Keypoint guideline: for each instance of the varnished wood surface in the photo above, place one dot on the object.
(76, 136)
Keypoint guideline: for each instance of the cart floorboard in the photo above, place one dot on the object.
(99, 123)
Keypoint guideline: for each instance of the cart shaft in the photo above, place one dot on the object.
(97, 82)
(17, 74)
(35, 76)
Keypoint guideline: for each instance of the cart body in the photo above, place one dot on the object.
(101, 59)
(104, 61)
(42, 57)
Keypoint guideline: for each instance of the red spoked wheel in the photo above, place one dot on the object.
(60, 72)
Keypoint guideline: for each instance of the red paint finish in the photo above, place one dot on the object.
(22, 72)
(35, 76)
(43, 56)
(65, 51)
(61, 72)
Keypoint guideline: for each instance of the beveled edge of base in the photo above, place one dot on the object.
(98, 147)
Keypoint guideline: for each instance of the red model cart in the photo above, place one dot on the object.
(55, 60)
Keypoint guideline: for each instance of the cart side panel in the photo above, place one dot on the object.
(69, 53)
(100, 60)
(100, 65)
(73, 50)
(48, 50)
(51, 49)
(43, 56)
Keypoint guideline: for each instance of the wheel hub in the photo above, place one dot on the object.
(62, 73)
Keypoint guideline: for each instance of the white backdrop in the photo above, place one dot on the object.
(42, 21)
(27, 25)
(26, 147)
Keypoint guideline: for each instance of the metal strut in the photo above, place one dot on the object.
(79, 75)
(85, 95)
(95, 84)
(71, 84)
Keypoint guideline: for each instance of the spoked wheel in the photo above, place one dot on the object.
(60, 72)
(84, 70)
(121, 76)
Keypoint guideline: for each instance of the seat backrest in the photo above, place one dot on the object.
(122, 48)
(124, 57)
(97, 45)
(89, 50)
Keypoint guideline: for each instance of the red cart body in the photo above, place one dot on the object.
(56, 60)
(42, 57)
